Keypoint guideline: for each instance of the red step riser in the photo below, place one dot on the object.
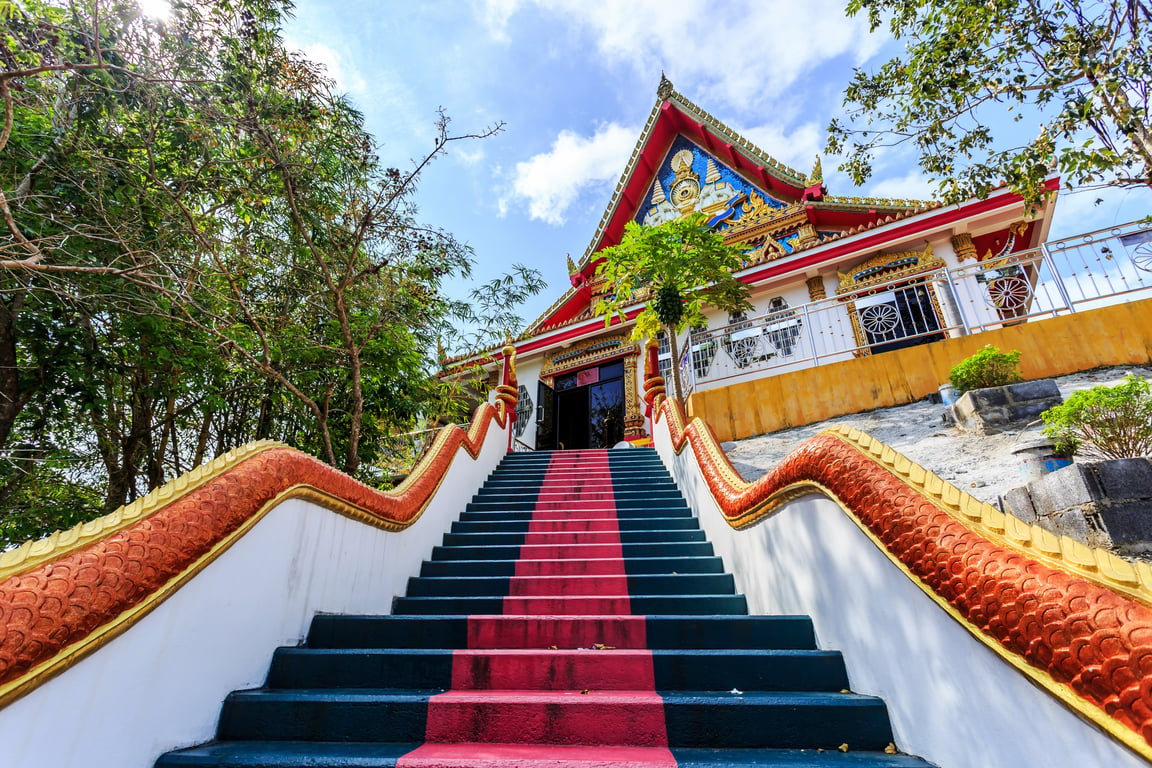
(568, 513)
(567, 606)
(564, 552)
(583, 525)
(473, 755)
(572, 567)
(635, 719)
(568, 585)
(490, 632)
(574, 508)
(604, 670)
(572, 537)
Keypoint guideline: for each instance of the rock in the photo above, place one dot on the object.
(996, 409)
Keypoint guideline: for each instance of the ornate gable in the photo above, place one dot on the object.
(685, 162)
(691, 180)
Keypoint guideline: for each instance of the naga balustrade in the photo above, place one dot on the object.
(119, 637)
(1061, 277)
(1074, 621)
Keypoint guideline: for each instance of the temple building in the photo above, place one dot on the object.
(831, 278)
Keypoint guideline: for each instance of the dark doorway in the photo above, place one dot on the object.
(589, 410)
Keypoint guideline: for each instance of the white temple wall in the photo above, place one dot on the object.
(528, 374)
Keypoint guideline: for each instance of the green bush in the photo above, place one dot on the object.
(987, 368)
(1104, 422)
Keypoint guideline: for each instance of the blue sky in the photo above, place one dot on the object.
(574, 81)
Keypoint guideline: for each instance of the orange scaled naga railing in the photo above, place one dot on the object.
(1076, 620)
(64, 597)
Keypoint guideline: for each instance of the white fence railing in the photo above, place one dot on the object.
(1108, 266)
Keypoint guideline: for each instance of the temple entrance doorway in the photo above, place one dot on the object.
(587, 409)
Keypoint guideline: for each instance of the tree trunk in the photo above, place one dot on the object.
(674, 347)
(12, 400)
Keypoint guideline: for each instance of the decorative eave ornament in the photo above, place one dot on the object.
(817, 174)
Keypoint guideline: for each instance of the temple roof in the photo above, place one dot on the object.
(778, 209)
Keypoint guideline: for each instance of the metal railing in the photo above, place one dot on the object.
(1105, 267)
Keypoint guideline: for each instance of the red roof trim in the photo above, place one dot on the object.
(572, 333)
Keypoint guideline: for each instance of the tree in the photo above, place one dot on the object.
(199, 247)
(681, 266)
(976, 68)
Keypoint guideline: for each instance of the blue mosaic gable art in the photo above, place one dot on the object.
(692, 181)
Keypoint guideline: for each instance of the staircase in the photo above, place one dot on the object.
(574, 617)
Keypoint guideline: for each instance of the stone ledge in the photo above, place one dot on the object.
(996, 409)
(1104, 504)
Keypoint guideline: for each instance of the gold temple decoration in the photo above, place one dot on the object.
(633, 416)
(886, 266)
(964, 247)
(882, 268)
(760, 218)
(806, 236)
(816, 289)
(817, 175)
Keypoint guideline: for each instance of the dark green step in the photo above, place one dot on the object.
(694, 719)
(644, 536)
(698, 670)
(635, 565)
(663, 632)
(639, 502)
(292, 754)
(623, 524)
(638, 513)
(700, 605)
(639, 584)
(686, 549)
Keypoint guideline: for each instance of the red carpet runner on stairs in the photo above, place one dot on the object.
(564, 674)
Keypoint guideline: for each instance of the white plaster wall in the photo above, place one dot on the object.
(160, 685)
(951, 699)
(528, 374)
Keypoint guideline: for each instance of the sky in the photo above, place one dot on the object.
(572, 82)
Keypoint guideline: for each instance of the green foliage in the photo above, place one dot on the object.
(683, 266)
(987, 368)
(1104, 422)
(1078, 70)
(204, 249)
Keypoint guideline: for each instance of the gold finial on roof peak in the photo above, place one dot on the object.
(664, 90)
(817, 175)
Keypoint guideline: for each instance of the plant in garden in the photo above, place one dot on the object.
(685, 266)
(1104, 422)
(987, 368)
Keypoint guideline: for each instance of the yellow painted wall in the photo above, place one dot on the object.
(1116, 335)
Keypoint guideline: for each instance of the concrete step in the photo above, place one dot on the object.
(567, 585)
(544, 669)
(507, 631)
(702, 719)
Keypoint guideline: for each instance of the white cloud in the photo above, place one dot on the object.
(913, 185)
(348, 79)
(494, 15)
(694, 40)
(469, 157)
(551, 182)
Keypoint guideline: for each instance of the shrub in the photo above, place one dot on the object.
(987, 368)
(1104, 422)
